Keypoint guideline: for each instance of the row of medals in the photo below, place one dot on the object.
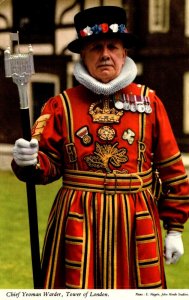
(133, 103)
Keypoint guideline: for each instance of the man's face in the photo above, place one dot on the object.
(104, 58)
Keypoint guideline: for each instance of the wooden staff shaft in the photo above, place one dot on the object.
(32, 210)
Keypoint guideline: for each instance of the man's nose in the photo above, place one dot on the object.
(105, 53)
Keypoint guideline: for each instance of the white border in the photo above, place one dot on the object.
(102, 294)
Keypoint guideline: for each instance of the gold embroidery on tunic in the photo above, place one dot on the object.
(106, 133)
(105, 155)
(141, 151)
(71, 152)
(102, 113)
(39, 126)
(129, 136)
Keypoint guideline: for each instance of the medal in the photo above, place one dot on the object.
(133, 103)
(119, 105)
(126, 105)
(140, 104)
(148, 108)
(118, 100)
(140, 108)
(85, 136)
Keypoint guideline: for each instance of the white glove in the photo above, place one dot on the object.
(174, 248)
(25, 153)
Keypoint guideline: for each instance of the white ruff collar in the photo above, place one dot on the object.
(127, 75)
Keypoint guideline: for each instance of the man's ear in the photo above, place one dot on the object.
(124, 54)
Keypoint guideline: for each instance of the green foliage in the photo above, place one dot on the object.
(15, 259)
(15, 256)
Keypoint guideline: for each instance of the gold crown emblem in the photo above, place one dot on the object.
(102, 113)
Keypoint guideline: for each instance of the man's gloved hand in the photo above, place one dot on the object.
(25, 153)
(174, 248)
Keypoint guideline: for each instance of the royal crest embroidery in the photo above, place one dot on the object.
(106, 133)
(106, 155)
(129, 136)
(85, 136)
(102, 113)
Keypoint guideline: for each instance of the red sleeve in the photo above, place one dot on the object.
(48, 131)
(174, 203)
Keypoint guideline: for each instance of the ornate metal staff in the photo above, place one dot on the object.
(20, 67)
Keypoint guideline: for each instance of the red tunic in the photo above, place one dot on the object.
(104, 229)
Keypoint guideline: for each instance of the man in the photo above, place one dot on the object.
(105, 137)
